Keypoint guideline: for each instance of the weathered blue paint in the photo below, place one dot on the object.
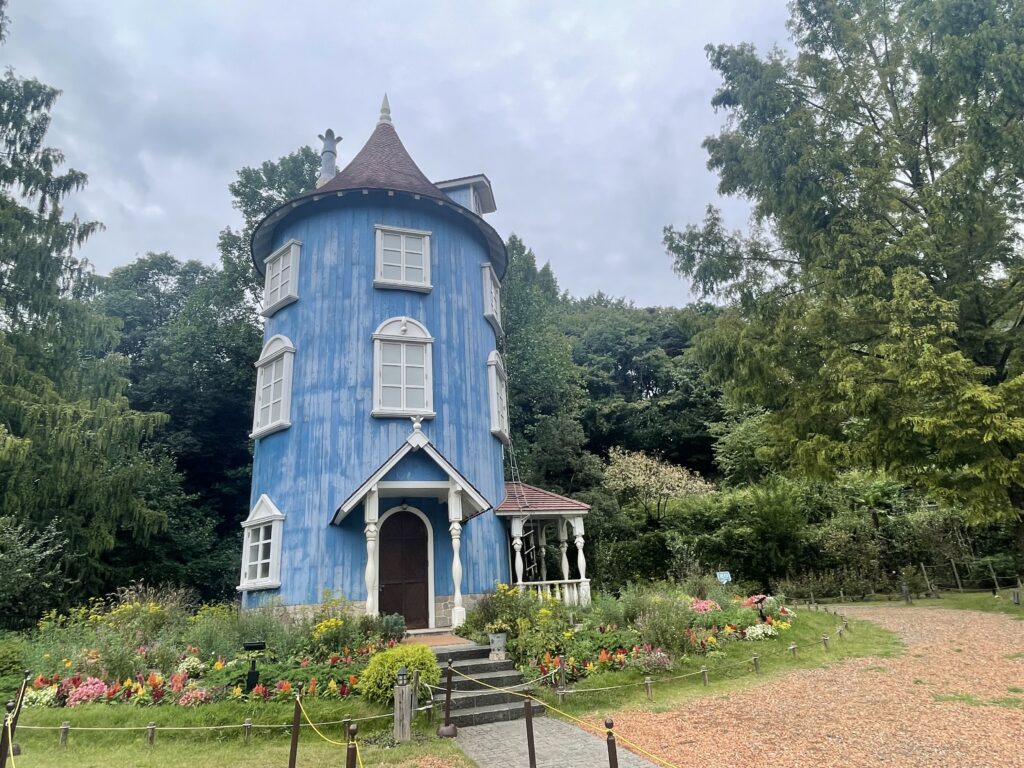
(461, 195)
(333, 443)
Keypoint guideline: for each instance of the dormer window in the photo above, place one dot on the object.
(492, 298)
(281, 286)
(273, 387)
(497, 382)
(403, 259)
(402, 375)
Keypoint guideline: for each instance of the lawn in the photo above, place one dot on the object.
(975, 601)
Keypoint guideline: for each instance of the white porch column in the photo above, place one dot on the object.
(581, 561)
(542, 535)
(372, 509)
(455, 529)
(517, 545)
(564, 547)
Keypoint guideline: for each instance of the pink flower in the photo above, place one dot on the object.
(91, 690)
(704, 606)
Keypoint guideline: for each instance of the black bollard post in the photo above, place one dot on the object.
(293, 754)
(447, 730)
(350, 750)
(531, 750)
(613, 755)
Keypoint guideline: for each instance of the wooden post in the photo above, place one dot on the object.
(293, 754)
(757, 665)
(613, 756)
(20, 700)
(956, 575)
(839, 632)
(649, 685)
(792, 649)
(65, 728)
(531, 750)
(561, 672)
(824, 641)
(995, 580)
(350, 750)
(151, 733)
(842, 597)
(403, 717)
(247, 730)
(5, 745)
(704, 675)
(927, 582)
(447, 729)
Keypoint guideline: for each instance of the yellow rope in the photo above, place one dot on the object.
(598, 728)
(10, 739)
(317, 730)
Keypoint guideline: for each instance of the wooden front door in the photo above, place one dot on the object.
(403, 569)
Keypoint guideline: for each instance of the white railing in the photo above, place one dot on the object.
(569, 591)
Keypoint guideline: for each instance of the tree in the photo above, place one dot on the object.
(30, 561)
(878, 302)
(650, 482)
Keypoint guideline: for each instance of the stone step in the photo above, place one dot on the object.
(483, 697)
(460, 653)
(475, 666)
(500, 679)
(492, 713)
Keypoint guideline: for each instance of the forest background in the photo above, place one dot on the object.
(844, 404)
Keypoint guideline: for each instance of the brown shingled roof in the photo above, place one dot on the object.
(520, 497)
(383, 163)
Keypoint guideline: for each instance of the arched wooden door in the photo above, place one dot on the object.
(404, 569)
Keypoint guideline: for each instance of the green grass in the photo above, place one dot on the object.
(863, 639)
(220, 749)
(974, 701)
(966, 601)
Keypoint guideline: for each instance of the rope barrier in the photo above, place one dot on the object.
(10, 740)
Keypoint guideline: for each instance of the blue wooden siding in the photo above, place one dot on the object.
(334, 443)
(461, 195)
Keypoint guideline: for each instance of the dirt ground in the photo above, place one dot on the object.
(954, 698)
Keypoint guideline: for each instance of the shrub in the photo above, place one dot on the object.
(378, 681)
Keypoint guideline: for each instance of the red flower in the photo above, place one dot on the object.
(335, 658)
(304, 663)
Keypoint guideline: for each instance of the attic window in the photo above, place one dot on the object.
(492, 298)
(403, 259)
(281, 286)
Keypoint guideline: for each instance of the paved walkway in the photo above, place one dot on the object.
(559, 745)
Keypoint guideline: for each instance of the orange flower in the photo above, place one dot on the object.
(352, 680)
(604, 657)
(311, 688)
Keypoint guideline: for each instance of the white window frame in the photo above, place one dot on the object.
(497, 381)
(278, 348)
(404, 331)
(379, 281)
(492, 298)
(288, 252)
(264, 514)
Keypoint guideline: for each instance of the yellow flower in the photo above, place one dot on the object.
(236, 692)
(218, 664)
(127, 682)
(67, 663)
(567, 635)
(590, 666)
(572, 661)
(712, 640)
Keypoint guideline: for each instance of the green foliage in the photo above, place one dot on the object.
(378, 681)
(875, 303)
(30, 562)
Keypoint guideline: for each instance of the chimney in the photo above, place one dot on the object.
(328, 156)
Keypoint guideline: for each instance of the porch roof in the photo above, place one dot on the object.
(417, 441)
(522, 499)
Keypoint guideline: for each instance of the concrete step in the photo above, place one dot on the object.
(475, 666)
(492, 713)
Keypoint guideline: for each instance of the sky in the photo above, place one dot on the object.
(587, 117)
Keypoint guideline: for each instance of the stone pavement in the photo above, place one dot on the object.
(559, 745)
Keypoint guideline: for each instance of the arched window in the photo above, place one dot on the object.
(402, 376)
(273, 387)
(261, 548)
(498, 384)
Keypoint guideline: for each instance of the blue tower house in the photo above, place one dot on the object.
(381, 411)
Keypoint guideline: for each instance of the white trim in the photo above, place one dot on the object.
(497, 381)
(417, 440)
(405, 332)
(492, 298)
(430, 555)
(293, 248)
(278, 347)
(263, 513)
(379, 280)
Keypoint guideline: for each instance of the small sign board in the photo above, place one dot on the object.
(724, 577)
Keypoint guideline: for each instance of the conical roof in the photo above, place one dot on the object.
(383, 163)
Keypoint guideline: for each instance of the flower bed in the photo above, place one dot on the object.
(647, 629)
(149, 648)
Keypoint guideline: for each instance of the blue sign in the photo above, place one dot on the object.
(724, 577)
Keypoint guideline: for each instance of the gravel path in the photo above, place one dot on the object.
(867, 712)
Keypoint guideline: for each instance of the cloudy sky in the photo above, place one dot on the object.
(587, 117)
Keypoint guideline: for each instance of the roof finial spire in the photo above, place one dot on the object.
(385, 110)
